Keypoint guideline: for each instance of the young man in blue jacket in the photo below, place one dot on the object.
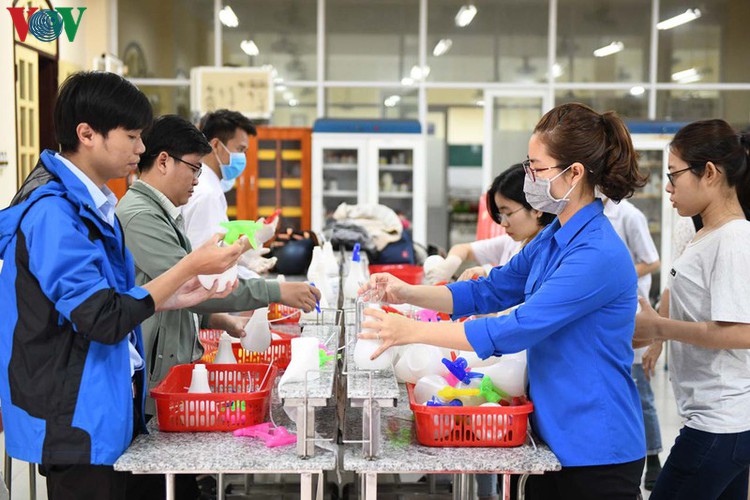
(71, 353)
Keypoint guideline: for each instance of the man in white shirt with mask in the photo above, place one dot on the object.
(228, 132)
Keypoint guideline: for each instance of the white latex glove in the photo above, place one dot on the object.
(443, 271)
(254, 260)
(267, 231)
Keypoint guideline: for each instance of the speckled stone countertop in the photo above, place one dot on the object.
(384, 386)
(401, 452)
(320, 388)
(214, 452)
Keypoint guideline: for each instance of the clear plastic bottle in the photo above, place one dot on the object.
(354, 280)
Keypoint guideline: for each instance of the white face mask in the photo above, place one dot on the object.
(538, 194)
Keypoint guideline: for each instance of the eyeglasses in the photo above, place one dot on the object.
(670, 175)
(197, 170)
(505, 218)
(531, 171)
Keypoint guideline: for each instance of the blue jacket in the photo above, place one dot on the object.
(577, 288)
(69, 304)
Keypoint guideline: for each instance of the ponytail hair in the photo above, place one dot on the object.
(716, 141)
(574, 132)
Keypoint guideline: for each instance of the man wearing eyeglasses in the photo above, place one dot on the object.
(155, 234)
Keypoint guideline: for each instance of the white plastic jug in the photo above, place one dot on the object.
(428, 387)
(257, 332)
(225, 355)
(509, 373)
(224, 279)
(305, 363)
(364, 348)
(199, 380)
(419, 360)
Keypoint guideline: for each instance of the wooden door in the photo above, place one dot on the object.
(27, 110)
(277, 177)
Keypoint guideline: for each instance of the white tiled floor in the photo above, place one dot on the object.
(665, 405)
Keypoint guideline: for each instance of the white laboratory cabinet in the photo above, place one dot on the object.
(369, 161)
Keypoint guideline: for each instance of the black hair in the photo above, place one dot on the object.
(574, 132)
(716, 141)
(105, 101)
(173, 135)
(509, 185)
(223, 124)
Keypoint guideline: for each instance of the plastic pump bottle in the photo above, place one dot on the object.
(354, 279)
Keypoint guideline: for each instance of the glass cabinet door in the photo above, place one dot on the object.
(649, 200)
(395, 179)
(340, 178)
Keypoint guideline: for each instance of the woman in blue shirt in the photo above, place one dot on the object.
(577, 290)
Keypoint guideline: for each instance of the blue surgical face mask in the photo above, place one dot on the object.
(226, 185)
(237, 162)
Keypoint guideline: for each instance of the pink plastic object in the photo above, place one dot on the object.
(451, 379)
(271, 436)
(427, 315)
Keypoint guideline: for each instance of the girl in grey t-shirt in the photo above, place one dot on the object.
(709, 318)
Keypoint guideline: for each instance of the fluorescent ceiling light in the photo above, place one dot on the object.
(443, 46)
(228, 18)
(685, 17)
(392, 100)
(690, 79)
(685, 74)
(280, 88)
(419, 72)
(557, 71)
(293, 102)
(637, 90)
(608, 50)
(465, 15)
(249, 48)
(407, 81)
(479, 102)
(288, 95)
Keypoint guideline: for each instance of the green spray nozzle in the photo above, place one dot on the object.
(491, 393)
(237, 228)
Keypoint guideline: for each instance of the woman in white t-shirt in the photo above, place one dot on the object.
(709, 316)
(508, 207)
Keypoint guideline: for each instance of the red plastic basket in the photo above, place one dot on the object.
(283, 315)
(406, 272)
(280, 352)
(485, 426)
(237, 399)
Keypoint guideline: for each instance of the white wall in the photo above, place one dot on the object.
(466, 125)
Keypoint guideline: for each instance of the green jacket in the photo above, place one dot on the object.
(170, 337)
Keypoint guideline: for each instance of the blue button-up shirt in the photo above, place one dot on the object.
(577, 288)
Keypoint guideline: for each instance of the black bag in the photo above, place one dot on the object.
(293, 252)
